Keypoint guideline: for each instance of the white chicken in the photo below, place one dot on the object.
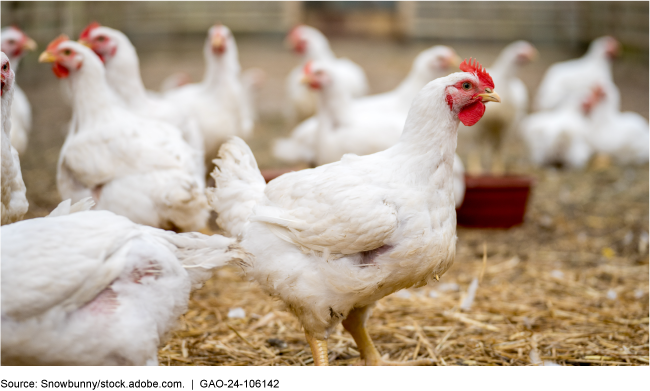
(565, 79)
(428, 65)
(123, 75)
(501, 121)
(344, 125)
(133, 166)
(14, 45)
(218, 103)
(14, 200)
(311, 44)
(623, 136)
(331, 241)
(93, 288)
(560, 136)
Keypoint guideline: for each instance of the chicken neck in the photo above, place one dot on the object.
(7, 99)
(123, 73)
(92, 98)
(334, 104)
(220, 69)
(428, 142)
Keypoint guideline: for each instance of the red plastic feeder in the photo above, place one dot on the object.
(494, 201)
(270, 174)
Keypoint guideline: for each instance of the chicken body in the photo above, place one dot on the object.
(333, 240)
(14, 200)
(624, 136)
(501, 121)
(133, 166)
(313, 45)
(558, 137)
(568, 78)
(93, 288)
(219, 103)
(123, 76)
(14, 45)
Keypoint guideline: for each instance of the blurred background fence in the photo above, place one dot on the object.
(569, 24)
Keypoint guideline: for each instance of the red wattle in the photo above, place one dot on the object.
(300, 46)
(470, 114)
(60, 71)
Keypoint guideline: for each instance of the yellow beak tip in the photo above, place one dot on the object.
(46, 57)
(30, 44)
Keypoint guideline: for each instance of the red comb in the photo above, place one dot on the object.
(307, 69)
(86, 33)
(57, 41)
(294, 29)
(478, 69)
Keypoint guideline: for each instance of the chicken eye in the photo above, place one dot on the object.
(67, 52)
(4, 67)
(101, 38)
(11, 42)
(467, 86)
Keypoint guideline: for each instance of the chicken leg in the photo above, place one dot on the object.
(318, 349)
(355, 324)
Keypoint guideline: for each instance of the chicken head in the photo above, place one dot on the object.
(62, 53)
(15, 42)
(7, 75)
(99, 39)
(467, 97)
(220, 36)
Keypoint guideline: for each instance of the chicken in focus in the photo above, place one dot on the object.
(92, 288)
(331, 241)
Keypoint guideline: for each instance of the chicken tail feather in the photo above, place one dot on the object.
(239, 186)
(200, 254)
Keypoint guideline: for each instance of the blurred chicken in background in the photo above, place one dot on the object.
(501, 121)
(311, 44)
(219, 102)
(15, 45)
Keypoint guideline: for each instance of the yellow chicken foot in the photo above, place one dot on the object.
(318, 350)
(355, 324)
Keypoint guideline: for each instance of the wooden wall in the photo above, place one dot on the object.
(561, 23)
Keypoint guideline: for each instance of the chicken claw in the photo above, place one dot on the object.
(355, 325)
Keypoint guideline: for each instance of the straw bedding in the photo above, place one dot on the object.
(568, 287)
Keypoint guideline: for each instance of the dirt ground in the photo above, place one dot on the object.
(569, 286)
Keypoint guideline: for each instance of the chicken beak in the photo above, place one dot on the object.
(490, 97)
(218, 42)
(305, 79)
(30, 44)
(47, 57)
(455, 61)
